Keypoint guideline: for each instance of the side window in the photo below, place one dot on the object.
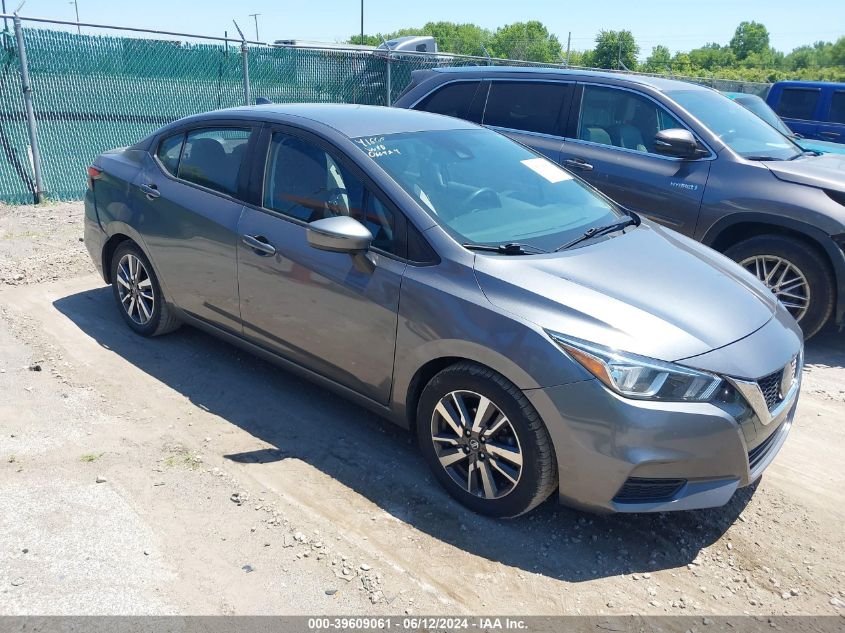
(304, 182)
(461, 99)
(528, 106)
(837, 107)
(622, 119)
(169, 150)
(213, 157)
(798, 103)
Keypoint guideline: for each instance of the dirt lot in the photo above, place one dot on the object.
(179, 475)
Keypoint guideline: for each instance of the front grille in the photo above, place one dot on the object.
(641, 490)
(770, 386)
(759, 452)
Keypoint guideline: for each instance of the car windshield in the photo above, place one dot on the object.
(762, 110)
(486, 189)
(742, 131)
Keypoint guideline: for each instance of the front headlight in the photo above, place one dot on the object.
(639, 377)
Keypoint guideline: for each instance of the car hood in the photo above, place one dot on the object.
(826, 171)
(650, 291)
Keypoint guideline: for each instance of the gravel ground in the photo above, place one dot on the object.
(179, 475)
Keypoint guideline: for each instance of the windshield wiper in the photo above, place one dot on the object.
(595, 231)
(762, 157)
(511, 248)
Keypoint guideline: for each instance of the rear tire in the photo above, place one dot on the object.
(138, 294)
(762, 254)
(500, 463)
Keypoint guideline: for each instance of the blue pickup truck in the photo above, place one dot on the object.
(813, 109)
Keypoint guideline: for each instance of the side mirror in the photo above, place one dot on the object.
(676, 142)
(339, 234)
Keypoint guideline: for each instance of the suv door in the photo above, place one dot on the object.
(189, 197)
(832, 125)
(531, 112)
(318, 308)
(611, 146)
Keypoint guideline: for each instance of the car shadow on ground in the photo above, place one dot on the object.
(379, 461)
(826, 349)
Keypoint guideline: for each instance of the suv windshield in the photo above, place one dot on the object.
(741, 130)
(762, 110)
(485, 189)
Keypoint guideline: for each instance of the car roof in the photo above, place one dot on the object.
(741, 95)
(350, 120)
(658, 83)
(798, 83)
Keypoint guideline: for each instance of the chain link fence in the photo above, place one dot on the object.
(91, 93)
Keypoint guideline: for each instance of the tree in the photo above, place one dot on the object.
(659, 60)
(750, 37)
(463, 39)
(712, 56)
(613, 46)
(530, 41)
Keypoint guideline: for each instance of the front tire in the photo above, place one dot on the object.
(795, 273)
(484, 441)
(138, 294)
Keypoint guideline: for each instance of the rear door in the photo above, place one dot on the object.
(799, 107)
(611, 145)
(531, 112)
(190, 196)
(832, 126)
(317, 308)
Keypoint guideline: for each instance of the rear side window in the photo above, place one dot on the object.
(212, 157)
(168, 152)
(837, 107)
(532, 107)
(798, 103)
(462, 100)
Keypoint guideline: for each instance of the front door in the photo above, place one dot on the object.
(320, 309)
(613, 149)
(188, 198)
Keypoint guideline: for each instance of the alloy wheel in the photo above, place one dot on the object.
(784, 279)
(135, 289)
(476, 444)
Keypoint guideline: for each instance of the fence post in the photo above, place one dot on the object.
(30, 113)
(389, 81)
(245, 63)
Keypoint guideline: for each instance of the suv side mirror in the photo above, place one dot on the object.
(339, 234)
(676, 142)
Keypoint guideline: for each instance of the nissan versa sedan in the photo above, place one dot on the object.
(535, 336)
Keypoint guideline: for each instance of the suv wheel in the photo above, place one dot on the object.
(484, 441)
(796, 274)
(138, 294)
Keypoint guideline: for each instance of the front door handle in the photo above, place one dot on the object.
(151, 191)
(259, 244)
(578, 163)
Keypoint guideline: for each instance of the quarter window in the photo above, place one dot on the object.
(461, 100)
(798, 103)
(532, 107)
(304, 182)
(213, 158)
(837, 107)
(622, 119)
(168, 152)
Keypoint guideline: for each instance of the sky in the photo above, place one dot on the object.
(678, 24)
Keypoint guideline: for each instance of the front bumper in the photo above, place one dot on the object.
(603, 441)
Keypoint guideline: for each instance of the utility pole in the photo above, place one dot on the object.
(619, 56)
(76, 8)
(362, 22)
(255, 17)
(568, 47)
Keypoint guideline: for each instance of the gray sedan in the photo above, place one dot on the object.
(535, 336)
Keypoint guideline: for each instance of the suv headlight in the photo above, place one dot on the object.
(634, 376)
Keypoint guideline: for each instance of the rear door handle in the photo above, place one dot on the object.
(151, 191)
(578, 163)
(259, 244)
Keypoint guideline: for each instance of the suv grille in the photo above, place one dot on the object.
(640, 490)
(770, 386)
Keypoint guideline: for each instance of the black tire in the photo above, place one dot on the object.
(161, 319)
(808, 261)
(538, 477)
